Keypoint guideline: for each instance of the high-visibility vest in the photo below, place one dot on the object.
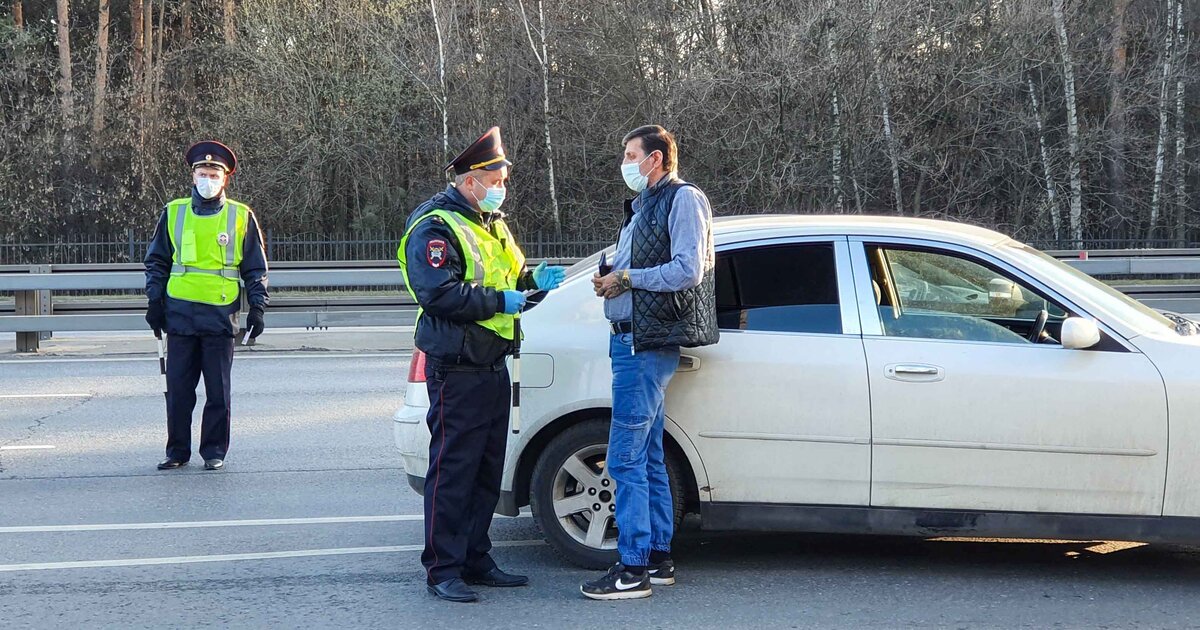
(492, 261)
(208, 250)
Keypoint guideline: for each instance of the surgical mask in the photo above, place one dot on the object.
(208, 187)
(632, 172)
(494, 198)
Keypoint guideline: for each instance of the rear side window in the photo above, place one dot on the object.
(781, 288)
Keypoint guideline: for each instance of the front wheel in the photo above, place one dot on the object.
(573, 498)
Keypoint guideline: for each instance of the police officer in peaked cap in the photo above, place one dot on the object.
(464, 268)
(206, 253)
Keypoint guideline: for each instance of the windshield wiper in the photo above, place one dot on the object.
(1184, 326)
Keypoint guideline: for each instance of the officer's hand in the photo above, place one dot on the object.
(254, 321)
(513, 301)
(156, 316)
(548, 278)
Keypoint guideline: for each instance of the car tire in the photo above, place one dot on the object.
(552, 481)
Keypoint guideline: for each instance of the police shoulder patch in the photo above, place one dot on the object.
(435, 253)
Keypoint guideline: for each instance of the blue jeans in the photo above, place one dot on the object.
(636, 462)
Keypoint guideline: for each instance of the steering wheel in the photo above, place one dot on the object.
(1039, 326)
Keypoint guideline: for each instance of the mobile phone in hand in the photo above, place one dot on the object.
(605, 268)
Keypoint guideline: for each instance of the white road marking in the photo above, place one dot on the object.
(241, 356)
(268, 555)
(45, 395)
(318, 520)
(26, 447)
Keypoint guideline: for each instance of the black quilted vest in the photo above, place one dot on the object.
(685, 318)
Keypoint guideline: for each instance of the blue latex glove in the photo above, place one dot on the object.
(548, 278)
(513, 301)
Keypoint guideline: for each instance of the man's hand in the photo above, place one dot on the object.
(156, 316)
(254, 321)
(513, 302)
(612, 285)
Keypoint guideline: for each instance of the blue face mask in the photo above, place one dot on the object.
(491, 201)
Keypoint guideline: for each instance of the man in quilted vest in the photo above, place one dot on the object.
(659, 296)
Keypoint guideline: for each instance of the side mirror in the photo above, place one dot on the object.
(1079, 333)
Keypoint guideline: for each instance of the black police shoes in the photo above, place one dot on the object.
(171, 463)
(214, 464)
(495, 577)
(453, 590)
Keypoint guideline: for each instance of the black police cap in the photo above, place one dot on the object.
(486, 153)
(211, 153)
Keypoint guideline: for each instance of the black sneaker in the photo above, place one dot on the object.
(618, 583)
(662, 574)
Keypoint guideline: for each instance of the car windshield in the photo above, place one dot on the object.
(1134, 313)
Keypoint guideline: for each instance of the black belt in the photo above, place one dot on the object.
(621, 328)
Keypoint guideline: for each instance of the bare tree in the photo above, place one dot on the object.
(230, 25)
(185, 21)
(1160, 154)
(443, 100)
(101, 87)
(136, 35)
(1117, 115)
(1068, 72)
(66, 86)
(1181, 205)
(885, 99)
(1051, 202)
(543, 59)
(836, 113)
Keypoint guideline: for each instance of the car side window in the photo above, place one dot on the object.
(939, 295)
(781, 288)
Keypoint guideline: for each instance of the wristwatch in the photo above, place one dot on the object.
(623, 280)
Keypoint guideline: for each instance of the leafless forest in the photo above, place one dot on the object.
(1066, 120)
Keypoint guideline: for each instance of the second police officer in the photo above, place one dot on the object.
(464, 268)
(206, 251)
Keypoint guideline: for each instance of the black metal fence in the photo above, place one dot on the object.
(131, 247)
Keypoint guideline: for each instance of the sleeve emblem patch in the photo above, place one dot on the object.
(435, 253)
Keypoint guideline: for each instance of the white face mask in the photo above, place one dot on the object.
(632, 172)
(209, 187)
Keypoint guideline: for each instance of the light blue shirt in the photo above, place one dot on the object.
(691, 250)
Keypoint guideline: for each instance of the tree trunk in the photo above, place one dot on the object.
(185, 21)
(835, 110)
(1117, 114)
(101, 80)
(444, 100)
(543, 59)
(18, 12)
(1068, 71)
(1181, 203)
(1160, 153)
(66, 85)
(136, 34)
(230, 31)
(884, 98)
(1048, 180)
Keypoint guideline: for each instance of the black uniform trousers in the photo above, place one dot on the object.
(468, 424)
(189, 356)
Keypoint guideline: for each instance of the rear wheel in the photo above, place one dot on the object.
(573, 498)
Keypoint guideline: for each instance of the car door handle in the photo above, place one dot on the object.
(914, 372)
(688, 363)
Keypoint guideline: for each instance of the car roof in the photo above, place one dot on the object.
(768, 225)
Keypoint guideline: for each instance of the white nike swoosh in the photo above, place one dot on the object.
(621, 586)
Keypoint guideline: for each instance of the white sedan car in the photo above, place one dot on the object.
(874, 375)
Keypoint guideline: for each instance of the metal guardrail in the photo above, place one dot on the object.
(34, 311)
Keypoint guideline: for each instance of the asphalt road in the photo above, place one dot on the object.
(312, 525)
